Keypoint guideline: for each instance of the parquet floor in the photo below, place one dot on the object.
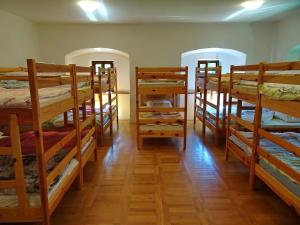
(164, 185)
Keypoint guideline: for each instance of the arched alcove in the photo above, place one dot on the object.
(84, 57)
(227, 58)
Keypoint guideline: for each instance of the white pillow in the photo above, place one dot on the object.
(287, 118)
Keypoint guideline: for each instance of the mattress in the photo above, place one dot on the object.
(87, 145)
(287, 157)
(41, 74)
(161, 83)
(34, 198)
(20, 98)
(160, 115)
(161, 127)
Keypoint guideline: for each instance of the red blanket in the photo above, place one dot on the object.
(50, 138)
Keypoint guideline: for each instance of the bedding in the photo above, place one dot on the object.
(161, 127)
(34, 198)
(13, 84)
(284, 92)
(159, 103)
(25, 74)
(20, 98)
(160, 115)
(287, 118)
(147, 83)
(29, 158)
(286, 157)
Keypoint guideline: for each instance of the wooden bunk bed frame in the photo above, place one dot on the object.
(88, 120)
(202, 86)
(36, 115)
(110, 74)
(172, 73)
(282, 106)
(239, 123)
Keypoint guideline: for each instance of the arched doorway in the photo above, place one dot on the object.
(227, 58)
(84, 57)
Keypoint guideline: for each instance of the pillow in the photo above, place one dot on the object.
(287, 118)
(267, 115)
(159, 103)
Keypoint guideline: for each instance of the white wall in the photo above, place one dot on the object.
(18, 40)
(286, 37)
(155, 44)
(121, 62)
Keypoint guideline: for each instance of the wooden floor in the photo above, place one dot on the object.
(164, 185)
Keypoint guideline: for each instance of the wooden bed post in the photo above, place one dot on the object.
(74, 92)
(109, 103)
(93, 109)
(229, 112)
(257, 126)
(18, 165)
(195, 97)
(204, 99)
(185, 107)
(37, 129)
(116, 93)
(137, 108)
(218, 105)
(101, 108)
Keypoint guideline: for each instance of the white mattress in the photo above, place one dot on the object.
(8, 201)
(161, 83)
(86, 146)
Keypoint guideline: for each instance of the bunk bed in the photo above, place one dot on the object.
(158, 114)
(107, 95)
(210, 108)
(241, 97)
(242, 118)
(276, 158)
(87, 116)
(38, 166)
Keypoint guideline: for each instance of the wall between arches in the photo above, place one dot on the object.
(155, 44)
(286, 37)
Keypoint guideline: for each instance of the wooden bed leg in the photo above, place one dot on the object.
(139, 142)
(252, 177)
(217, 138)
(79, 179)
(184, 143)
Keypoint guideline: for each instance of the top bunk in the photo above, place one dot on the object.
(106, 80)
(162, 80)
(53, 89)
(279, 87)
(209, 76)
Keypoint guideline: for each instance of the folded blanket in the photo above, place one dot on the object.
(21, 97)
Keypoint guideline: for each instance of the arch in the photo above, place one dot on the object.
(84, 57)
(84, 51)
(214, 50)
(226, 56)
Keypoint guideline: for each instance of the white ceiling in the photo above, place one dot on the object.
(135, 11)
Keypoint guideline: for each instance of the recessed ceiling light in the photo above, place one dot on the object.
(89, 5)
(251, 5)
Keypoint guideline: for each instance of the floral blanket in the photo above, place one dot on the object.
(31, 173)
(285, 92)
